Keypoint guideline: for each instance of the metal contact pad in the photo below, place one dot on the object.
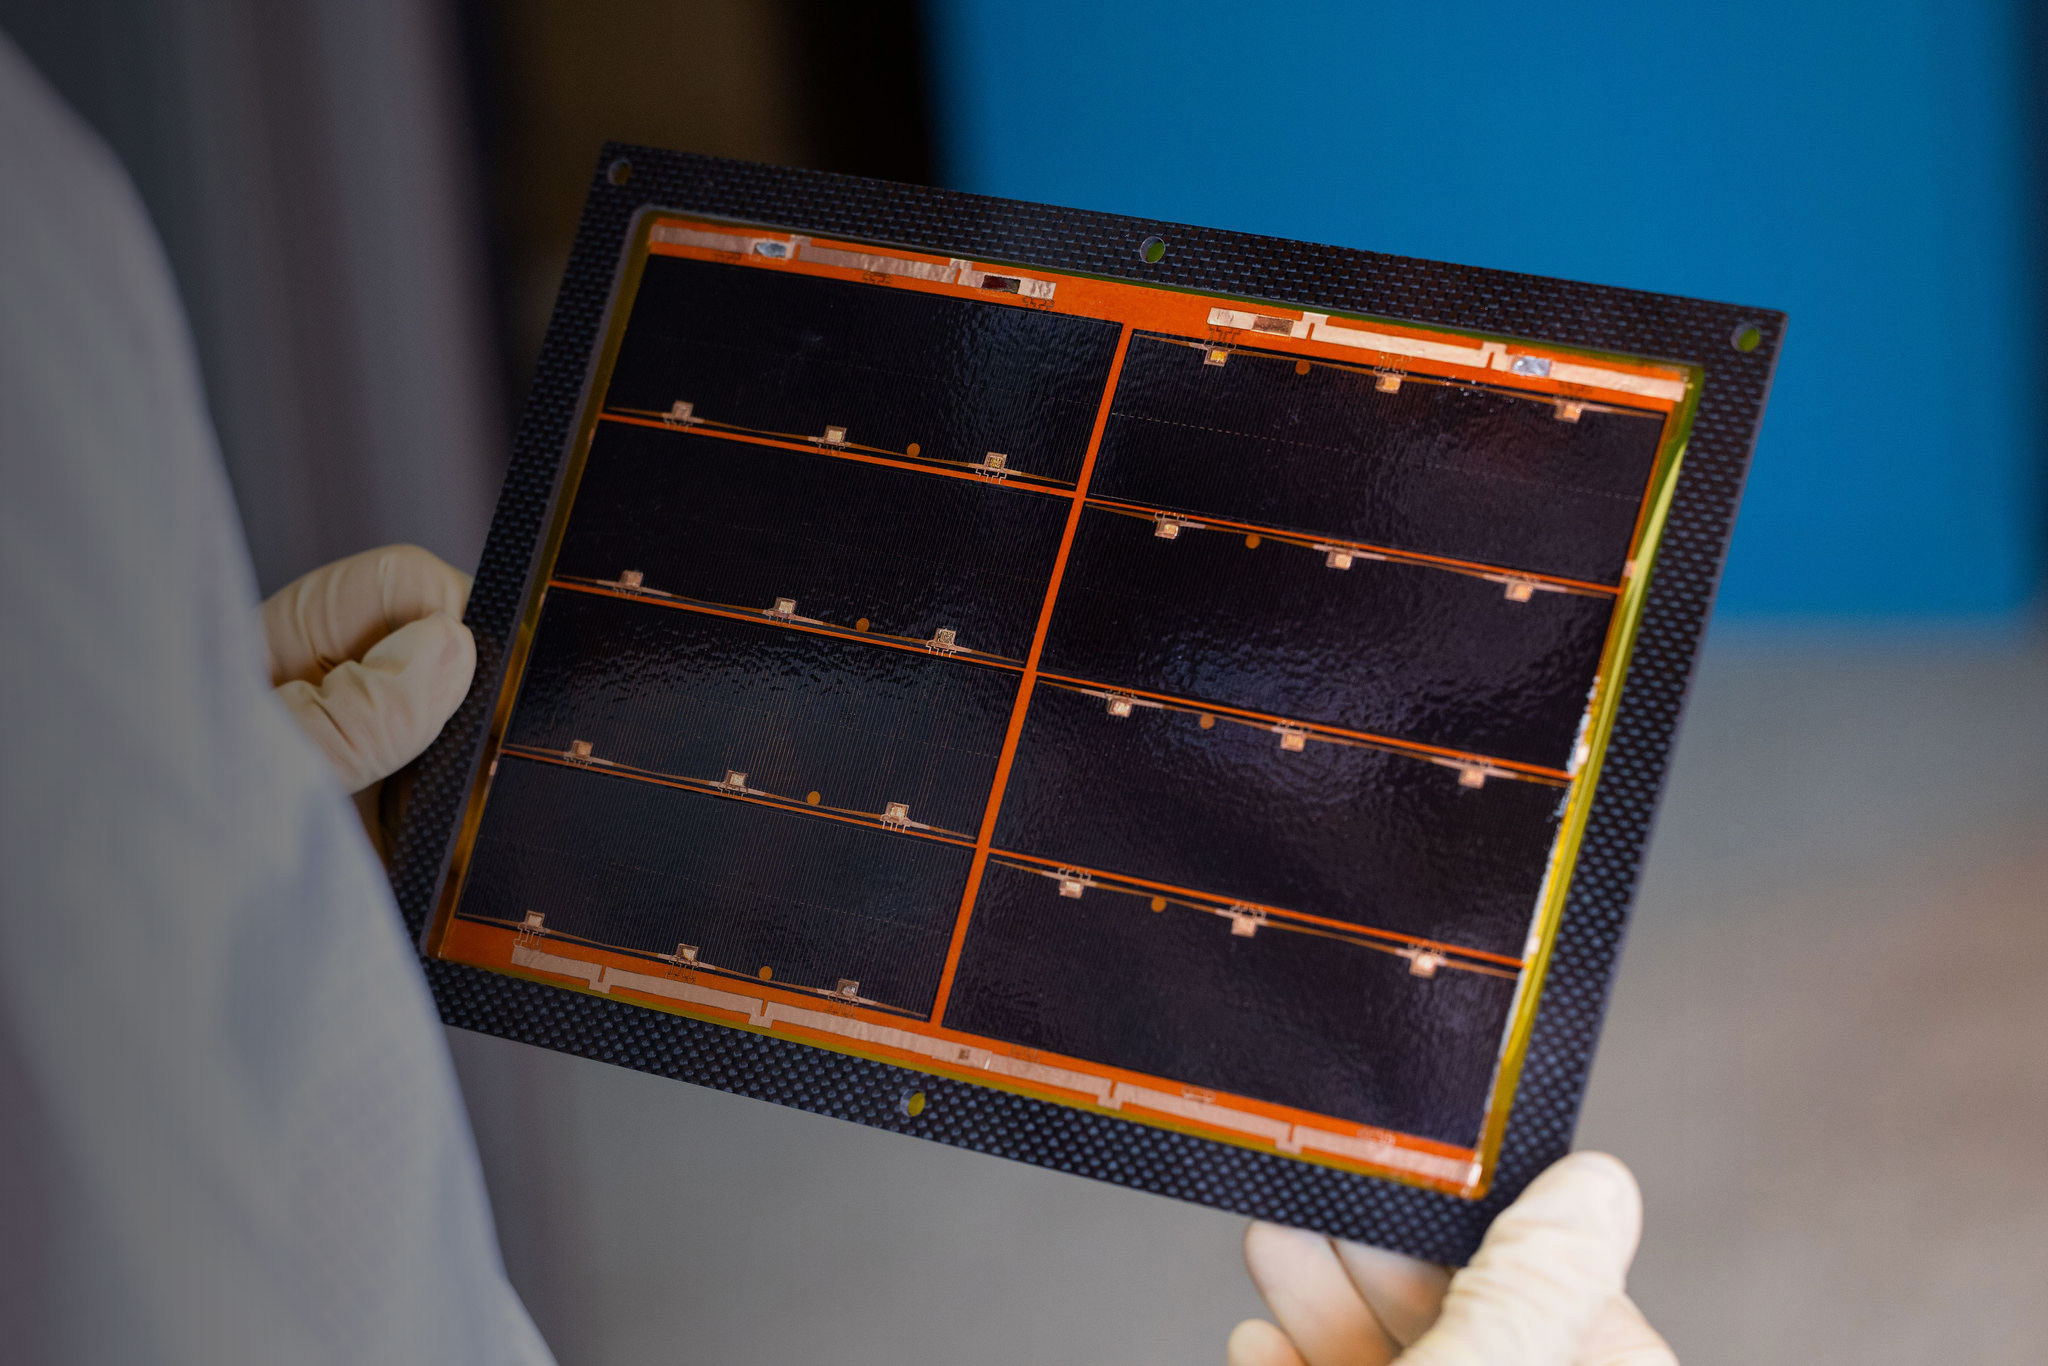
(1345, 832)
(1397, 649)
(1286, 1017)
(1455, 469)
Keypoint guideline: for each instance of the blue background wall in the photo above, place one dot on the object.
(1863, 167)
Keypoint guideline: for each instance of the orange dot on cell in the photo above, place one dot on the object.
(912, 449)
(1208, 722)
(1158, 903)
(813, 798)
(861, 625)
(1251, 542)
(1301, 367)
(767, 973)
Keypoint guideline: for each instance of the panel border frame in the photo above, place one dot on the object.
(627, 181)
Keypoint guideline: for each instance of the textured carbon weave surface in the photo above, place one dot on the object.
(1328, 278)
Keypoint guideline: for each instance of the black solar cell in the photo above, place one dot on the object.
(1453, 469)
(1354, 834)
(695, 696)
(611, 860)
(1401, 650)
(797, 354)
(721, 522)
(1279, 1016)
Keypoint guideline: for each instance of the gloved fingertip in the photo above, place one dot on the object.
(1256, 1342)
(436, 654)
(1596, 1190)
(413, 578)
(1272, 1250)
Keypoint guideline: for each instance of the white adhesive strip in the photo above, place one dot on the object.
(1382, 1154)
(1259, 322)
(880, 265)
(1401, 346)
(709, 241)
(1593, 377)
(1276, 1131)
(1490, 356)
(524, 957)
(681, 991)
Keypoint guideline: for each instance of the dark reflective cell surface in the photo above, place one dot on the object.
(695, 695)
(728, 522)
(1442, 469)
(795, 353)
(1359, 835)
(643, 867)
(1282, 1017)
(1394, 649)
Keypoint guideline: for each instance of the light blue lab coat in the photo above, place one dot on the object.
(229, 1131)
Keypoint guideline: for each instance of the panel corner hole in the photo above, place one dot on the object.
(619, 172)
(911, 1104)
(1217, 356)
(1570, 411)
(1387, 384)
(1747, 337)
(1152, 250)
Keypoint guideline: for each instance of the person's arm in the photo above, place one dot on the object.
(1545, 1289)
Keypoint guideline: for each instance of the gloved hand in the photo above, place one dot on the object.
(370, 656)
(1544, 1290)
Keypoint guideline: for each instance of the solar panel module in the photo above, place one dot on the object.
(1070, 711)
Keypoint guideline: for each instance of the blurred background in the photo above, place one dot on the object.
(1828, 1052)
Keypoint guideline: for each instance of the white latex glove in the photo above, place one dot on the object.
(1544, 1290)
(370, 656)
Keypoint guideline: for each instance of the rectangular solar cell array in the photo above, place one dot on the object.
(1306, 696)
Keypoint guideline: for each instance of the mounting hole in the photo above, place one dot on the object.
(1152, 250)
(911, 1104)
(619, 172)
(1747, 337)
